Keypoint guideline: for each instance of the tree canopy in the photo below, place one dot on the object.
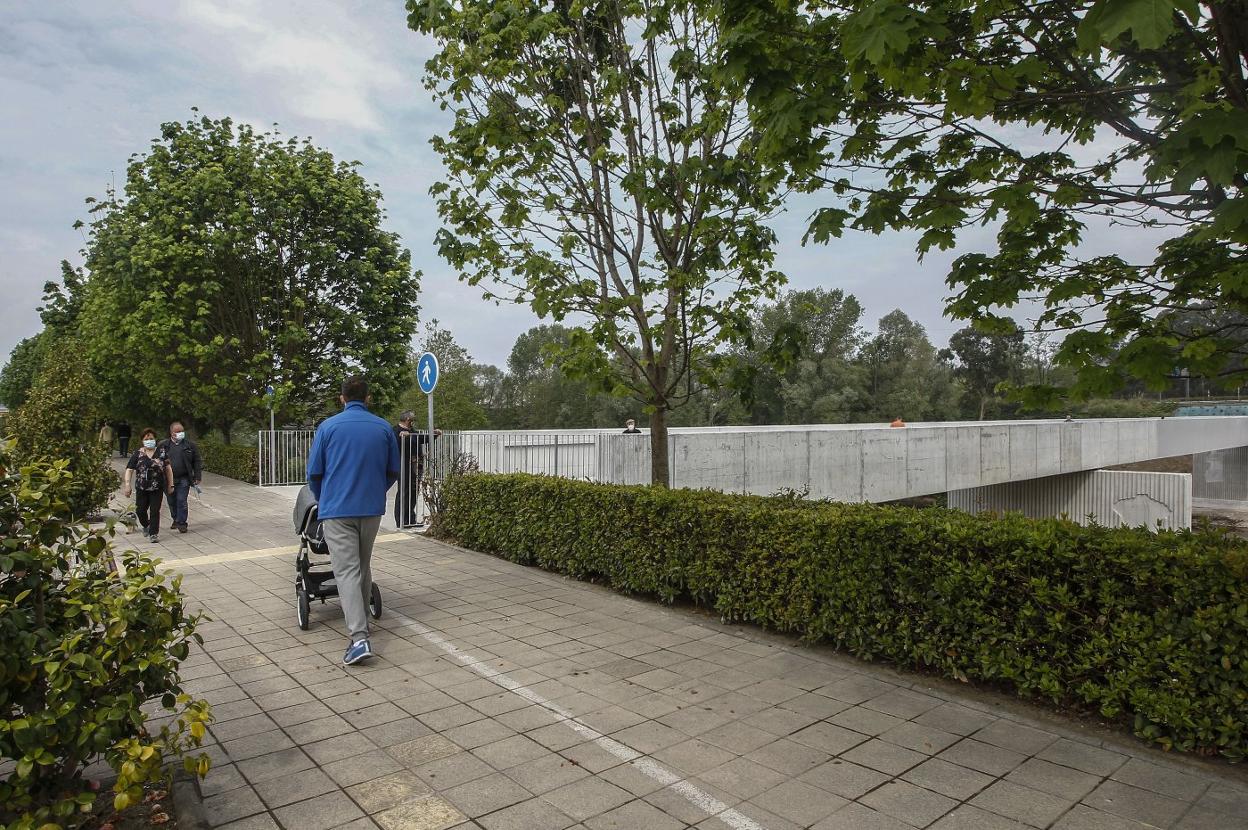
(603, 172)
(1046, 121)
(235, 260)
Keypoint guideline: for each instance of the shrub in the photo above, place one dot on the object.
(1147, 629)
(84, 649)
(60, 420)
(231, 461)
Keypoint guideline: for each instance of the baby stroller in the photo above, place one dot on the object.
(313, 579)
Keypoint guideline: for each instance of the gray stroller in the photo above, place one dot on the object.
(315, 579)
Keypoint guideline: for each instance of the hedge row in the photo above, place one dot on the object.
(1149, 630)
(239, 462)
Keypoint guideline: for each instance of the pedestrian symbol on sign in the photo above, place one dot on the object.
(427, 372)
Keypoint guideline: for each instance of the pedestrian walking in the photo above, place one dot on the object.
(123, 438)
(106, 436)
(183, 458)
(409, 477)
(149, 476)
(353, 462)
(630, 427)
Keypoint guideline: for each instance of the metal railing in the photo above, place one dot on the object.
(283, 456)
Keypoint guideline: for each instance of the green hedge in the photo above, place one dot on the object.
(1149, 630)
(232, 461)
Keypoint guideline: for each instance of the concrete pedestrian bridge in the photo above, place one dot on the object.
(1039, 467)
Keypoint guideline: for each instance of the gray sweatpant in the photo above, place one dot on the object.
(350, 544)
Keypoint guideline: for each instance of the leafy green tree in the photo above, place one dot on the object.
(905, 376)
(600, 171)
(824, 385)
(58, 422)
(1046, 121)
(237, 260)
(984, 361)
(62, 303)
(21, 370)
(457, 399)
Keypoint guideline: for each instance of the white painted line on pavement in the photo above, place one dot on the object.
(701, 799)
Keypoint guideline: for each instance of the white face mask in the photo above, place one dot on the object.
(150, 443)
(179, 435)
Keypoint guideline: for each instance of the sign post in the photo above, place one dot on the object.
(268, 391)
(427, 378)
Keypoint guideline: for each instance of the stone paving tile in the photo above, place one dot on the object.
(1139, 805)
(534, 814)
(884, 757)
(858, 817)
(968, 817)
(298, 786)
(360, 768)
(229, 806)
(1024, 804)
(429, 813)
(1053, 779)
(1083, 757)
(985, 758)
(486, 795)
(587, 797)
(800, 803)
(911, 804)
(388, 791)
(274, 765)
(948, 779)
(633, 816)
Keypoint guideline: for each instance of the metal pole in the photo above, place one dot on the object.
(272, 447)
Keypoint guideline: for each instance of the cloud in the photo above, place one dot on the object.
(323, 68)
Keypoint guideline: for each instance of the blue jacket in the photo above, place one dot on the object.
(353, 462)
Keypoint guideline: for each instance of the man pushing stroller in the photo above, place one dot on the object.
(353, 462)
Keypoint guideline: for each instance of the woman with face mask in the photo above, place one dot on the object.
(150, 477)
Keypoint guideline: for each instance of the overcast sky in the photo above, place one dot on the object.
(85, 84)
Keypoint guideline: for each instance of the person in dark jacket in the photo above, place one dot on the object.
(188, 468)
(123, 438)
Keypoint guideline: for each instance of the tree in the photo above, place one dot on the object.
(905, 376)
(238, 260)
(600, 171)
(20, 372)
(457, 400)
(61, 305)
(58, 422)
(913, 115)
(539, 394)
(823, 385)
(985, 361)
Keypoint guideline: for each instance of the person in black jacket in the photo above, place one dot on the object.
(123, 438)
(188, 468)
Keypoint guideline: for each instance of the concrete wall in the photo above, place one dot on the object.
(1221, 476)
(856, 462)
(1107, 497)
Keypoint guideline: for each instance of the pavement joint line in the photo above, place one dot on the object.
(701, 799)
(259, 553)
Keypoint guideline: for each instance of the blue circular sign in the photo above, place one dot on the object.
(427, 372)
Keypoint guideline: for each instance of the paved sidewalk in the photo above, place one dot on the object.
(507, 698)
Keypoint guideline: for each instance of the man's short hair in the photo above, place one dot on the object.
(406, 415)
(172, 424)
(355, 388)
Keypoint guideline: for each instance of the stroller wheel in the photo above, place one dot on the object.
(375, 602)
(305, 606)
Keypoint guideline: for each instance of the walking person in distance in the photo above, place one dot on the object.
(409, 478)
(183, 458)
(353, 462)
(123, 438)
(149, 477)
(630, 427)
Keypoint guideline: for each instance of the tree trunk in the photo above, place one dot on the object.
(660, 474)
(983, 405)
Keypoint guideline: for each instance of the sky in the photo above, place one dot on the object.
(83, 85)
